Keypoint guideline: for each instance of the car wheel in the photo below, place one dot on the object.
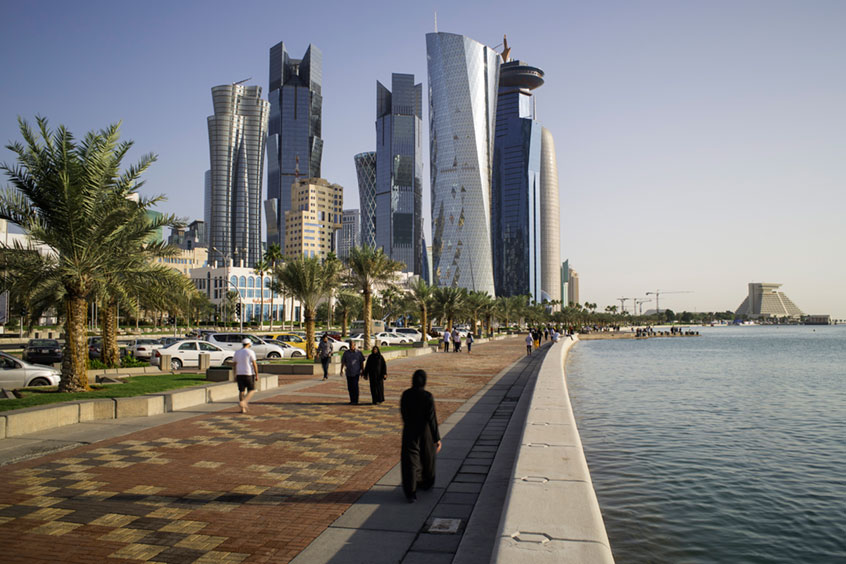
(228, 361)
(297, 354)
(342, 349)
(175, 364)
(384, 343)
(273, 355)
(40, 382)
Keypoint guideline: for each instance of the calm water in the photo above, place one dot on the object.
(730, 447)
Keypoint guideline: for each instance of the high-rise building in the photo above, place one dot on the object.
(766, 301)
(314, 219)
(294, 144)
(565, 280)
(463, 82)
(350, 235)
(516, 184)
(399, 171)
(550, 222)
(572, 286)
(207, 201)
(237, 133)
(365, 167)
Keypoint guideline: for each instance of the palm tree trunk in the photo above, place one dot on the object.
(261, 290)
(367, 315)
(75, 358)
(109, 354)
(423, 319)
(344, 321)
(309, 323)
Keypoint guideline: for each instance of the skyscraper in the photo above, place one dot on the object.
(237, 133)
(399, 171)
(315, 218)
(365, 168)
(463, 82)
(294, 144)
(516, 184)
(550, 222)
(350, 235)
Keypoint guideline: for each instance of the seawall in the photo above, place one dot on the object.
(551, 514)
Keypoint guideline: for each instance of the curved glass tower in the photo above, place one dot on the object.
(237, 133)
(365, 168)
(463, 81)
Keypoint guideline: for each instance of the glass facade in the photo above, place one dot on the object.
(350, 235)
(399, 171)
(237, 134)
(463, 82)
(294, 145)
(365, 167)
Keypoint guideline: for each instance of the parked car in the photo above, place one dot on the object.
(338, 345)
(143, 348)
(95, 346)
(290, 350)
(233, 342)
(291, 339)
(186, 354)
(167, 341)
(16, 373)
(43, 351)
(408, 332)
(385, 338)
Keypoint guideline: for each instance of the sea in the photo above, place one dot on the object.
(728, 447)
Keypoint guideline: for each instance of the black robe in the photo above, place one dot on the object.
(419, 437)
(375, 371)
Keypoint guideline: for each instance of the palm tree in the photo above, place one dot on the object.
(261, 267)
(450, 302)
(487, 311)
(390, 297)
(347, 303)
(369, 266)
(273, 256)
(72, 197)
(309, 280)
(421, 296)
(475, 302)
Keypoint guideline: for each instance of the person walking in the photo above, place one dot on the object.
(447, 339)
(421, 441)
(376, 370)
(246, 370)
(469, 342)
(530, 341)
(352, 363)
(324, 353)
(456, 340)
(537, 336)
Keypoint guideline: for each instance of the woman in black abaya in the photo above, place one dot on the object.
(376, 370)
(420, 438)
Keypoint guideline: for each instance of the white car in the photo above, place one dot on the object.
(288, 350)
(385, 339)
(340, 345)
(15, 373)
(233, 342)
(409, 333)
(186, 354)
(143, 348)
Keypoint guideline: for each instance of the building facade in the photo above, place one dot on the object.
(294, 143)
(572, 287)
(314, 219)
(463, 81)
(194, 235)
(764, 301)
(399, 171)
(365, 168)
(350, 235)
(237, 133)
(550, 223)
(186, 260)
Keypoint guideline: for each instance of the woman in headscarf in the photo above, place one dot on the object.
(421, 440)
(376, 370)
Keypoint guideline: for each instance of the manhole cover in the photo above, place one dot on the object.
(445, 526)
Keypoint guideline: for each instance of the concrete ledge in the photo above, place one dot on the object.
(93, 410)
(2, 426)
(268, 382)
(36, 419)
(139, 406)
(221, 392)
(551, 513)
(181, 399)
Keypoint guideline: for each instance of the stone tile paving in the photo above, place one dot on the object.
(225, 487)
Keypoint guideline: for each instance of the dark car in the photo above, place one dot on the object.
(95, 346)
(43, 351)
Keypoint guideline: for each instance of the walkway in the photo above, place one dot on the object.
(225, 487)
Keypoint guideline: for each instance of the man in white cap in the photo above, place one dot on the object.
(246, 371)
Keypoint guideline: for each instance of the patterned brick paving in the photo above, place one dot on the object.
(225, 487)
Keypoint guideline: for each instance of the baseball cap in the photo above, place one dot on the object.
(245, 341)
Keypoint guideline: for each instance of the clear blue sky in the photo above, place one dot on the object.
(700, 145)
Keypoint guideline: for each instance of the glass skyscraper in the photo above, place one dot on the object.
(399, 171)
(463, 82)
(365, 168)
(516, 198)
(237, 134)
(294, 145)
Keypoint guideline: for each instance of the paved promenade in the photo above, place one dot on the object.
(218, 486)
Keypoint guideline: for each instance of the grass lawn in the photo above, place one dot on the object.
(132, 386)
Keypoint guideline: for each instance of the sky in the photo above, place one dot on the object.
(701, 145)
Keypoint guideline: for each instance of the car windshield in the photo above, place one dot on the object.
(43, 343)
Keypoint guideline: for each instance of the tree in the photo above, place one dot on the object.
(273, 256)
(421, 296)
(368, 267)
(476, 302)
(71, 196)
(310, 280)
(260, 268)
(449, 301)
(347, 304)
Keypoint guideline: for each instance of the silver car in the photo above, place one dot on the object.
(15, 373)
(232, 342)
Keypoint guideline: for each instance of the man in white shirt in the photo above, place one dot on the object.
(246, 371)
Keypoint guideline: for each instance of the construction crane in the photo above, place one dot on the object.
(639, 304)
(623, 304)
(657, 293)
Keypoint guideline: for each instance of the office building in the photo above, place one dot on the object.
(294, 143)
(572, 287)
(350, 235)
(463, 83)
(550, 223)
(217, 281)
(365, 168)
(185, 261)
(565, 279)
(207, 201)
(764, 301)
(194, 235)
(314, 219)
(237, 133)
(399, 171)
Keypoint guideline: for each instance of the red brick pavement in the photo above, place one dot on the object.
(225, 487)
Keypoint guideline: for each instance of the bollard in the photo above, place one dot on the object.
(205, 361)
(164, 363)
